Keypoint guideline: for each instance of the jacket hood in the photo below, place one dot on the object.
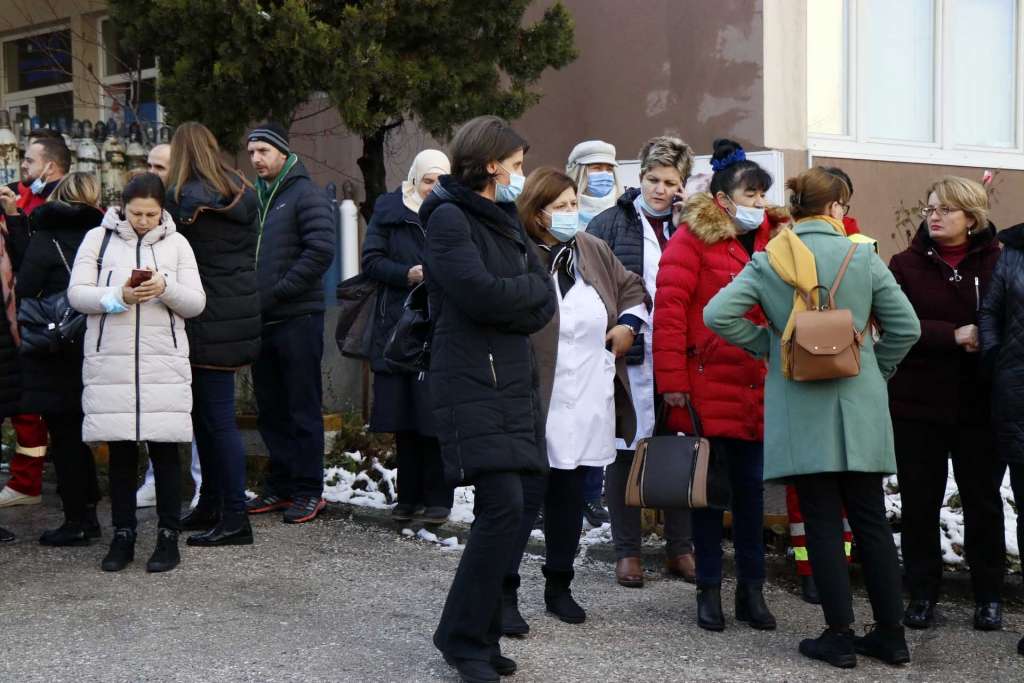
(391, 209)
(298, 170)
(709, 223)
(1013, 237)
(197, 196)
(502, 218)
(112, 221)
(923, 242)
(61, 216)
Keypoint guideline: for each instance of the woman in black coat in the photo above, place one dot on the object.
(52, 386)
(216, 210)
(393, 256)
(488, 293)
(1001, 324)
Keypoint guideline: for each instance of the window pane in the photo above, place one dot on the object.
(38, 61)
(983, 72)
(826, 66)
(51, 108)
(116, 59)
(897, 87)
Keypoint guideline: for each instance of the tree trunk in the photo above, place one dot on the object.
(371, 163)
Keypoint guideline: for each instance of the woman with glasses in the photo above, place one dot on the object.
(940, 402)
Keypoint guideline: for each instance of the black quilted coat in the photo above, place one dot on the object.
(488, 293)
(1002, 344)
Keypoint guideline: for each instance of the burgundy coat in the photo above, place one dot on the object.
(938, 382)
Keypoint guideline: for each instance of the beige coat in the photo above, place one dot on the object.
(138, 382)
(619, 290)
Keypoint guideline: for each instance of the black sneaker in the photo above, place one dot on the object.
(67, 534)
(304, 510)
(122, 551)
(165, 556)
(834, 647)
(595, 513)
(268, 502)
(5, 535)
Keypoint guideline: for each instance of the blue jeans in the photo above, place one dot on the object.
(745, 464)
(221, 455)
(289, 394)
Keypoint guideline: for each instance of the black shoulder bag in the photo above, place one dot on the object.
(408, 347)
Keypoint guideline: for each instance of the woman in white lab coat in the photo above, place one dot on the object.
(584, 386)
(637, 229)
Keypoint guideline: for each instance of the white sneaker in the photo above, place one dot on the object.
(145, 497)
(9, 498)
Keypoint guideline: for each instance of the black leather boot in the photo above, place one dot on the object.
(70, 533)
(834, 646)
(886, 643)
(988, 616)
(122, 551)
(203, 518)
(230, 530)
(512, 622)
(558, 597)
(750, 606)
(919, 614)
(165, 556)
(709, 607)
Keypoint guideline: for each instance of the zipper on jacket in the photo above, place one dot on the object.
(977, 294)
(494, 372)
(103, 318)
(138, 331)
(956, 276)
(174, 336)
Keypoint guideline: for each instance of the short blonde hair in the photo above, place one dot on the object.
(667, 151)
(77, 188)
(964, 194)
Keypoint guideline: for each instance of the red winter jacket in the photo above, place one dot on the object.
(725, 383)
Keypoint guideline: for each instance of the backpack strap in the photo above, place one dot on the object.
(103, 250)
(842, 271)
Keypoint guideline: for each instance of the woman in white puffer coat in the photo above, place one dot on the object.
(137, 377)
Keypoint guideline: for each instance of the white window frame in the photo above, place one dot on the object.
(857, 145)
(108, 80)
(17, 98)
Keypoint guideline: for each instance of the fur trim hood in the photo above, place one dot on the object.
(710, 224)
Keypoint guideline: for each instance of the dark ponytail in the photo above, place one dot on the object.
(733, 170)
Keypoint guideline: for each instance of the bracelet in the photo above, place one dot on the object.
(628, 327)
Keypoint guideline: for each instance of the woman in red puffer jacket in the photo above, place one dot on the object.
(724, 384)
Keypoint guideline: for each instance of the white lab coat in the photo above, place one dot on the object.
(641, 377)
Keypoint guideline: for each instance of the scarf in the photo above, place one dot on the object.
(794, 263)
(591, 206)
(7, 287)
(562, 264)
(265, 194)
(427, 161)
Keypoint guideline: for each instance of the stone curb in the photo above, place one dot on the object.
(956, 584)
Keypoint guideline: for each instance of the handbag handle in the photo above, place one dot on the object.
(661, 419)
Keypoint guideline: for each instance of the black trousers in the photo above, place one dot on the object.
(923, 452)
(289, 393)
(822, 500)
(626, 526)
(420, 471)
(124, 479)
(74, 464)
(470, 626)
(561, 494)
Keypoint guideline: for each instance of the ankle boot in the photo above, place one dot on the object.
(230, 530)
(750, 606)
(70, 533)
(166, 556)
(709, 607)
(558, 598)
(834, 646)
(887, 643)
(512, 622)
(122, 550)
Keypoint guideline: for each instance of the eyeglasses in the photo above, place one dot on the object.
(943, 211)
(846, 209)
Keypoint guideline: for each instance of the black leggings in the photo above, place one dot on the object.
(74, 464)
(124, 479)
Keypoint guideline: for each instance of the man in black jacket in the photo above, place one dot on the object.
(295, 248)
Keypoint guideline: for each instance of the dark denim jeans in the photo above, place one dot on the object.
(593, 483)
(221, 454)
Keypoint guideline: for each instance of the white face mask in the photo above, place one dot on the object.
(747, 218)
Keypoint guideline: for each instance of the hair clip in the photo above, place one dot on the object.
(736, 156)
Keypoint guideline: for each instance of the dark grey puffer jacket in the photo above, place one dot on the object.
(1001, 322)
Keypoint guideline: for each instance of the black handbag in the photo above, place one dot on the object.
(677, 471)
(48, 324)
(408, 347)
(357, 304)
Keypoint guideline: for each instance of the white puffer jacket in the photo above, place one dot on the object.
(138, 382)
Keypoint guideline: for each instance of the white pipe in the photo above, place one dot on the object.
(349, 239)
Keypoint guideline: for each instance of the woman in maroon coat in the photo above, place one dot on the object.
(724, 383)
(940, 402)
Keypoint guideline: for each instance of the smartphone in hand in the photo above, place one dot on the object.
(139, 276)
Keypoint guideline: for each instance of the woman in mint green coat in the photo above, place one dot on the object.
(832, 439)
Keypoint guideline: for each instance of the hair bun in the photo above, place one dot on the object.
(727, 152)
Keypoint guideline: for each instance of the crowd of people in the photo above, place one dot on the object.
(196, 274)
(571, 319)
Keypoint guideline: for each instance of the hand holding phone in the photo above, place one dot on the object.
(139, 275)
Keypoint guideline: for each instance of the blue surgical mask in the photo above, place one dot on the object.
(564, 225)
(509, 193)
(748, 218)
(37, 186)
(651, 211)
(600, 183)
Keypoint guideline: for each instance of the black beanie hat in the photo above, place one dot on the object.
(271, 133)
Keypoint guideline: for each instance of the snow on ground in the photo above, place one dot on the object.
(344, 486)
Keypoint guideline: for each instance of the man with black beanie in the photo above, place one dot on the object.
(295, 248)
